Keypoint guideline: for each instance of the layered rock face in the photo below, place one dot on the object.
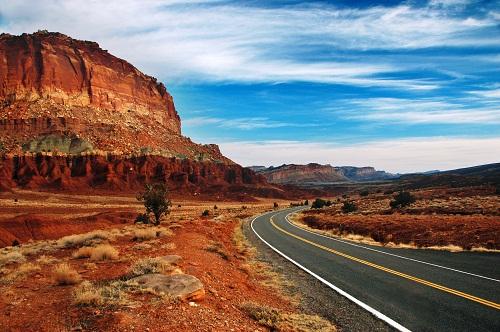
(55, 88)
(76, 173)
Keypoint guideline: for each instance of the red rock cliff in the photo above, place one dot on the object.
(51, 84)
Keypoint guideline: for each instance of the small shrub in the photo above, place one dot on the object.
(205, 213)
(389, 192)
(155, 199)
(215, 207)
(65, 275)
(275, 205)
(364, 193)
(306, 202)
(402, 199)
(104, 252)
(328, 203)
(243, 207)
(349, 206)
(318, 203)
(87, 295)
(87, 239)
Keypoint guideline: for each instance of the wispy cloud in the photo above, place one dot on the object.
(250, 123)
(419, 111)
(228, 41)
(401, 155)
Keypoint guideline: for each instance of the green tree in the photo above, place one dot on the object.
(155, 199)
(349, 206)
(318, 203)
(402, 199)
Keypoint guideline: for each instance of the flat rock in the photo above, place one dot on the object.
(184, 286)
(171, 259)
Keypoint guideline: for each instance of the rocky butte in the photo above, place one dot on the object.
(74, 116)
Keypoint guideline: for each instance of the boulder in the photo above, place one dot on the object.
(183, 286)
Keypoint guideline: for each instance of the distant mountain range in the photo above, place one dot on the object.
(320, 174)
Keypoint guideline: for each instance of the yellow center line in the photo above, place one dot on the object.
(400, 274)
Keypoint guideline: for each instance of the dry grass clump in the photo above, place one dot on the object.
(146, 234)
(113, 293)
(152, 265)
(87, 239)
(46, 260)
(218, 248)
(11, 257)
(66, 275)
(104, 252)
(19, 273)
(168, 246)
(99, 253)
(241, 243)
(276, 320)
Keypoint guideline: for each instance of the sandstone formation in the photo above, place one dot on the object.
(183, 286)
(71, 96)
(319, 174)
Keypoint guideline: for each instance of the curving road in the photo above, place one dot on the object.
(410, 289)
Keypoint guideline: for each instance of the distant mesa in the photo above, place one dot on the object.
(320, 174)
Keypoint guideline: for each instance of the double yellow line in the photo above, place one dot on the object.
(400, 274)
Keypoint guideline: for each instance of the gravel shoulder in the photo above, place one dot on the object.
(315, 297)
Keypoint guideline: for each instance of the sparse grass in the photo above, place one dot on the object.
(66, 275)
(152, 265)
(87, 239)
(142, 246)
(104, 252)
(11, 257)
(113, 293)
(46, 260)
(218, 248)
(277, 320)
(150, 233)
(83, 252)
(168, 246)
(20, 272)
(241, 243)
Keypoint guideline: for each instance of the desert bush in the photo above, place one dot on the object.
(402, 199)
(215, 207)
(318, 203)
(155, 199)
(349, 206)
(328, 203)
(306, 202)
(205, 213)
(65, 275)
(113, 293)
(151, 265)
(20, 272)
(103, 252)
(364, 193)
(275, 205)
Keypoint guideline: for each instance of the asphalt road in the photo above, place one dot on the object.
(417, 290)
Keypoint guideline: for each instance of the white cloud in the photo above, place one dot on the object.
(221, 41)
(239, 123)
(418, 111)
(401, 155)
(494, 93)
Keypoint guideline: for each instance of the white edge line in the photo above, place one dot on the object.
(387, 253)
(363, 305)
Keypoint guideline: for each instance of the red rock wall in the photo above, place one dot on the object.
(52, 66)
(117, 173)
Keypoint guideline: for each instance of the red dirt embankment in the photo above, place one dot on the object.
(466, 232)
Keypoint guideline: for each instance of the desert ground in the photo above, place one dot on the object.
(72, 266)
(449, 219)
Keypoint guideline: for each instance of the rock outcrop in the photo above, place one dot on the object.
(182, 286)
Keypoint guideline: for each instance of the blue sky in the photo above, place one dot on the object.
(400, 85)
